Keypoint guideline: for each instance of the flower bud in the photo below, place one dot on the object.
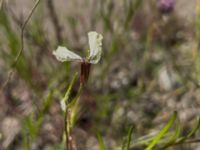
(166, 6)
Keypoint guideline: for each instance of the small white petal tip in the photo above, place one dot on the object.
(95, 43)
(63, 54)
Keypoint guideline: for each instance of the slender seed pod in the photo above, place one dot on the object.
(85, 71)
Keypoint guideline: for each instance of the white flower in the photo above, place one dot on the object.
(95, 45)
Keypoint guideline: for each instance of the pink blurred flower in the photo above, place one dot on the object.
(166, 6)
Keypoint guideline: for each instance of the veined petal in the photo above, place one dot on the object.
(95, 44)
(63, 54)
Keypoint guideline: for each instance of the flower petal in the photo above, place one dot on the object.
(63, 54)
(95, 43)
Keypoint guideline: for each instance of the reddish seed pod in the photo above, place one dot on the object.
(85, 71)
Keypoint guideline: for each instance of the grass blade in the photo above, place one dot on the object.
(157, 138)
(190, 134)
(129, 138)
(174, 137)
(194, 130)
(100, 140)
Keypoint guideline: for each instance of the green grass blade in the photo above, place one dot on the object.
(100, 140)
(194, 130)
(67, 94)
(47, 102)
(190, 134)
(129, 138)
(157, 138)
(123, 144)
(174, 137)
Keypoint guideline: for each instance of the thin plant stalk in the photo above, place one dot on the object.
(70, 117)
(22, 44)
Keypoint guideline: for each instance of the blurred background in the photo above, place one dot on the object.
(150, 67)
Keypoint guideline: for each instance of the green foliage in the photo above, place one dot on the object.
(197, 50)
(190, 134)
(173, 138)
(127, 142)
(100, 140)
(31, 126)
(165, 138)
(13, 40)
(157, 138)
(66, 98)
(47, 102)
(55, 147)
